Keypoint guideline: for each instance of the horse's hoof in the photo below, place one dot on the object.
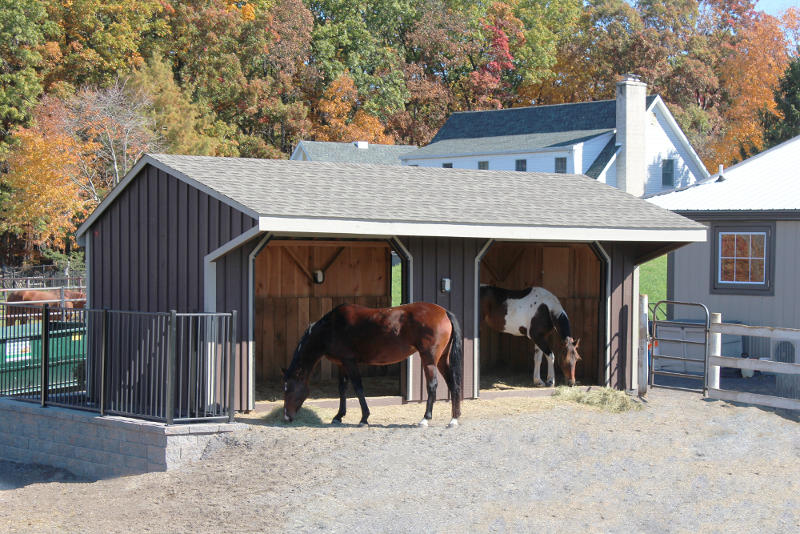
(453, 423)
(424, 422)
(551, 383)
(336, 422)
(538, 384)
(363, 423)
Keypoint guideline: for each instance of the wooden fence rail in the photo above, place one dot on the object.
(716, 360)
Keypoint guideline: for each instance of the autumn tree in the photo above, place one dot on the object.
(342, 117)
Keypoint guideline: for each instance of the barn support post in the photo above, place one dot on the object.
(409, 283)
(643, 343)
(606, 371)
(476, 356)
(714, 349)
(635, 330)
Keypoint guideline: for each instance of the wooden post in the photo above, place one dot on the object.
(643, 342)
(714, 349)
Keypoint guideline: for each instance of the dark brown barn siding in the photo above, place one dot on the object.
(434, 259)
(148, 249)
(622, 299)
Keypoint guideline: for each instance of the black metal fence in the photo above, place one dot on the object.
(170, 367)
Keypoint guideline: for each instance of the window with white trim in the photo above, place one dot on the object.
(483, 165)
(743, 258)
(521, 165)
(561, 165)
(668, 172)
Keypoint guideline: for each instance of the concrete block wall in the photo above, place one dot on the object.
(99, 447)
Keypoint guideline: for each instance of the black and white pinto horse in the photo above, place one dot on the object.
(532, 313)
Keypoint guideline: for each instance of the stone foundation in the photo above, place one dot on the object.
(96, 447)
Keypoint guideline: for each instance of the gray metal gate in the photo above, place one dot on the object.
(679, 346)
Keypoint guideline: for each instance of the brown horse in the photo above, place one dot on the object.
(532, 313)
(20, 314)
(349, 335)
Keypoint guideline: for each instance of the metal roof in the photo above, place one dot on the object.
(399, 200)
(527, 128)
(769, 181)
(350, 153)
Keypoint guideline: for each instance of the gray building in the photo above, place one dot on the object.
(356, 152)
(748, 268)
(195, 233)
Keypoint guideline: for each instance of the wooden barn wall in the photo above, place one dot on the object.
(148, 249)
(286, 300)
(434, 259)
(573, 273)
(622, 306)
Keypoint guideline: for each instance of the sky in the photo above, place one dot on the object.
(776, 7)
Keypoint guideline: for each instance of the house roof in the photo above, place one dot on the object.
(769, 181)
(350, 153)
(517, 129)
(345, 198)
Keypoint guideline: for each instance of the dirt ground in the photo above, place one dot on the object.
(679, 464)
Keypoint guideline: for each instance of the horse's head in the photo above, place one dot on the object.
(570, 359)
(295, 379)
(295, 392)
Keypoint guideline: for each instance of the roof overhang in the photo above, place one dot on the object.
(352, 228)
(740, 215)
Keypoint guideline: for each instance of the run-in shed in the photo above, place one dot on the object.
(197, 233)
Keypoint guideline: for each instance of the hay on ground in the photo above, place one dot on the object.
(607, 399)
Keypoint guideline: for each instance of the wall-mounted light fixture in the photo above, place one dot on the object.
(319, 276)
(444, 285)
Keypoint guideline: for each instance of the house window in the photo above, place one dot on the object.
(743, 258)
(668, 172)
(483, 165)
(447, 165)
(561, 165)
(521, 165)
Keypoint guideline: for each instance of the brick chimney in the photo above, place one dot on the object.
(631, 120)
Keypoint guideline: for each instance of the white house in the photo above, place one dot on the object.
(632, 142)
(357, 152)
(749, 269)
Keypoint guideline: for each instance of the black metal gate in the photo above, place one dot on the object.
(679, 345)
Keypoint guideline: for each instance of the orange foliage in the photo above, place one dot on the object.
(44, 196)
(342, 119)
(750, 76)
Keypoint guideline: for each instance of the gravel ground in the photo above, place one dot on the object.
(514, 465)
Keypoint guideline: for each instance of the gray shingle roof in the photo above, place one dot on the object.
(346, 191)
(602, 158)
(528, 128)
(350, 153)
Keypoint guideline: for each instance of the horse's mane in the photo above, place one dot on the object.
(312, 328)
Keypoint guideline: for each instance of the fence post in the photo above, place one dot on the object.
(644, 339)
(171, 367)
(232, 368)
(714, 349)
(103, 360)
(45, 352)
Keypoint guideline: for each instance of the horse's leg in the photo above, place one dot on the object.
(455, 396)
(433, 382)
(342, 396)
(355, 377)
(542, 344)
(537, 364)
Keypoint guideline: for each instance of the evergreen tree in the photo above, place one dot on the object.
(785, 124)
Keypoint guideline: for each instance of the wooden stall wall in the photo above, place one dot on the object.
(572, 272)
(287, 299)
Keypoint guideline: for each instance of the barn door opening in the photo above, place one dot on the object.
(574, 274)
(299, 281)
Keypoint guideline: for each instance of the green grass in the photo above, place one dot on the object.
(608, 399)
(653, 279)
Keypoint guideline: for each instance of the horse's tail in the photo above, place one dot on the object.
(456, 361)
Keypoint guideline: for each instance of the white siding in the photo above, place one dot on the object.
(663, 143)
(693, 283)
(610, 175)
(537, 161)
